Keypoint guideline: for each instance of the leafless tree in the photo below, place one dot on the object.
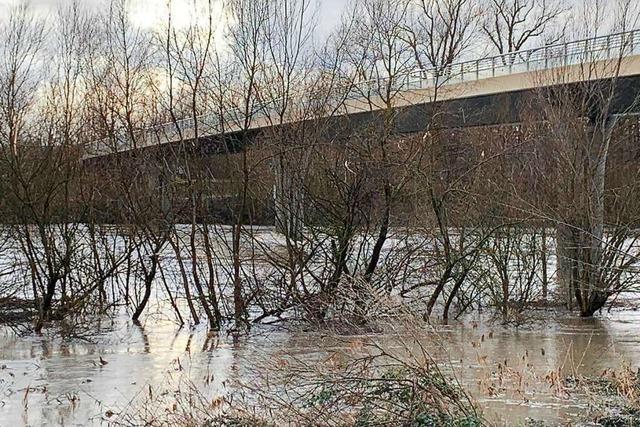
(189, 56)
(246, 37)
(592, 251)
(21, 69)
(511, 25)
(439, 32)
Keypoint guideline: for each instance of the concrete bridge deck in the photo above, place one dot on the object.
(480, 92)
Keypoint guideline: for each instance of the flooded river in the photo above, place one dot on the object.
(49, 381)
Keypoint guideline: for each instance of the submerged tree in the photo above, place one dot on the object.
(593, 249)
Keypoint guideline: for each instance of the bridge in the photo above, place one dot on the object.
(471, 91)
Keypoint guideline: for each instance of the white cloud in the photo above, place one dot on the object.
(148, 13)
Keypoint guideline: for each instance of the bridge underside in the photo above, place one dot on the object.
(494, 109)
(218, 163)
(474, 111)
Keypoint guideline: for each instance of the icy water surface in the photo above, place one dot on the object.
(48, 381)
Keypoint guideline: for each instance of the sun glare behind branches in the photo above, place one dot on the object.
(153, 14)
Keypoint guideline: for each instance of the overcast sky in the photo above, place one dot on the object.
(150, 10)
(149, 13)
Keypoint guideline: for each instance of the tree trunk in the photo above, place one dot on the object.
(438, 290)
(47, 303)
(452, 295)
(148, 280)
(580, 242)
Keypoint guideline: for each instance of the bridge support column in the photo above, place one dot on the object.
(157, 182)
(288, 200)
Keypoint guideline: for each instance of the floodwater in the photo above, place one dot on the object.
(50, 381)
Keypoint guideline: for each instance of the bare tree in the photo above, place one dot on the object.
(441, 31)
(246, 37)
(21, 69)
(591, 250)
(510, 25)
(190, 54)
(121, 106)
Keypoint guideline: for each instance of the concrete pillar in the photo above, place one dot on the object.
(288, 200)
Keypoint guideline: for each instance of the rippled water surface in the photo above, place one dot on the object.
(48, 381)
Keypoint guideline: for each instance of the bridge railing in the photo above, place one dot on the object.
(541, 58)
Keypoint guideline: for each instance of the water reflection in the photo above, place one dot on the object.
(76, 382)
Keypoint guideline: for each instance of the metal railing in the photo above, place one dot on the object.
(541, 58)
(536, 59)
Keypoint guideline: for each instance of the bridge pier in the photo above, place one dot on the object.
(158, 183)
(288, 200)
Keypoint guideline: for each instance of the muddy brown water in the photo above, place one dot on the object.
(70, 384)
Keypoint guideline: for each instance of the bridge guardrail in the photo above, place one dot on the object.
(541, 58)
